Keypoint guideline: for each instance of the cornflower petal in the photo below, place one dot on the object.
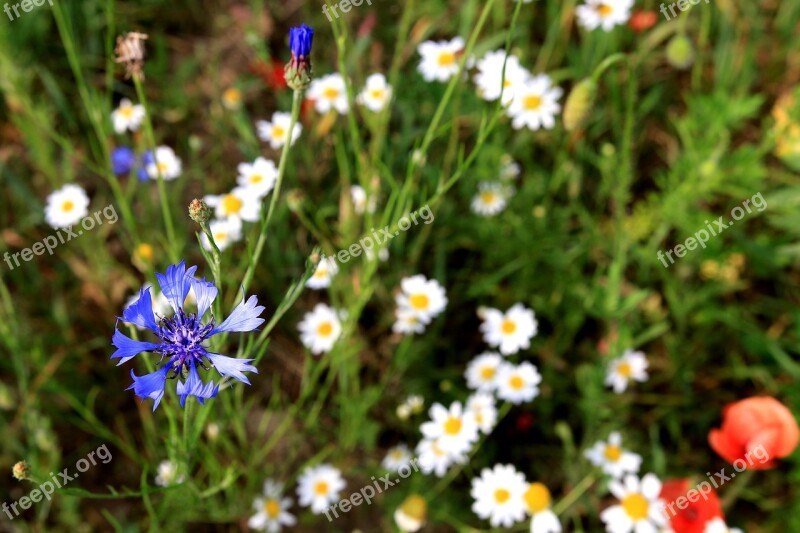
(140, 312)
(150, 385)
(205, 292)
(243, 318)
(128, 348)
(175, 283)
(232, 367)
(194, 386)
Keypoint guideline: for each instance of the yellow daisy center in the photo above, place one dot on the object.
(446, 59)
(488, 197)
(145, 251)
(419, 301)
(487, 372)
(321, 272)
(68, 206)
(272, 508)
(624, 370)
(516, 382)
(502, 495)
(321, 488)
(324, 329)
(232, 96)
(613, 453)
(397, 454)
(220, 236)
(636, 506)
(126, 111)
(377, 94)
(537, 498)
(604, 10)
(256, 178)
(532, 103)
(508, 326)
(330, 93)
(278, 132)
(231, 204)
(452, 426)
(162, 168)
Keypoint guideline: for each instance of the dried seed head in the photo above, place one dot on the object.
(21, 470)
(130, 52)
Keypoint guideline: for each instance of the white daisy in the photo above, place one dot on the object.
(603, 13)
(490, 80)
(276, 132)
(165, 163)
(326, 269)
(481, 372)
(509, 169)
(491, 198)
(66, 206)
(482, 407)
(498, 495)
(407, 321)
(319, 329)
(510, 331)
(360, 202)
(127, 116)
(271, 510)
(328, 92)
(225, 233)
(168, 474)
(639, 510)
(397, 457)
(537, 502)
(238, 205)
(535, 104)
(411, 515)
(376, 94)
(440, 59)
(612, 458)
(630, 366)
(517, 384)
(432, 458)
(318, 487)
(454, 429)
(425, 298)
(257, 177)
(718, 525)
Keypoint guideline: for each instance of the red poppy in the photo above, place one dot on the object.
(643, 20)
(271, 73)
(755, 431)
(694, 515)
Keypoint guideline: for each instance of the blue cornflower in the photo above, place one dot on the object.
(182, 336)
(147, 159)
(300, 40)
(122, 160)
(298, 71)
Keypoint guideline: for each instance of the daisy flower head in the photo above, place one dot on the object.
(718, 525)
(639, 509)
(491, 81)
(411, 515)
(407, 321)
(440, 59)
(491, 198)
(232, 98)
(518, 383)
(257, 177)
(376, 93)
(276, 132)
(238, 205)
(225, 233)
(454, 429)
(535, 104)
(612, 458)
(604, 14)
(481, 372)
(168, 474)
(415, 403)
(629, 366)
(329, 92)
(272, 510)
(319, 487)
(499, 495)
(481, 405)
(164, 163)
(360, 201)
(509, 169)
(326, 269)
(423, 297)
(537, 502)
(433, 459)
(320, 328)
(127, 116)
(66, 206)
(397, 457)
(511, 331)
(182, 337)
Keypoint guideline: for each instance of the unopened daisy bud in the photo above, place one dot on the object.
(298, 71)
(411, 515)
(403, 412)
(680, 52)
(295, 199)
(212, 431)
(21, 470)
(579, 104)
(199, 211)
